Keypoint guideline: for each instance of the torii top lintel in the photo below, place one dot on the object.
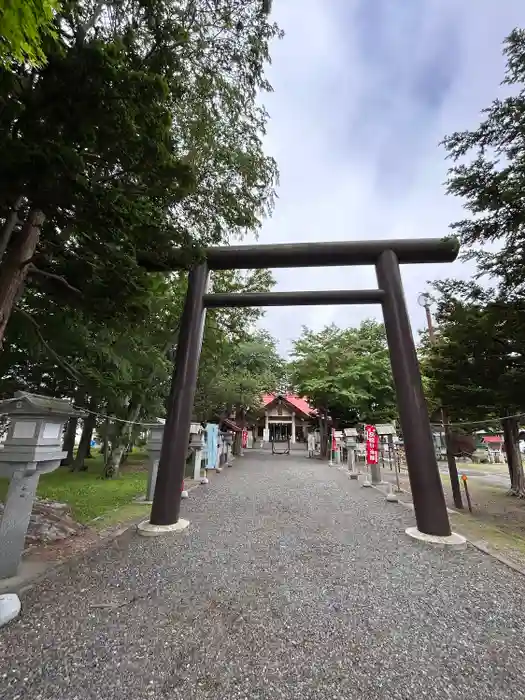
(327, 254)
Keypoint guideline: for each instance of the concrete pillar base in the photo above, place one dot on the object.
(9, 608)
(146, 529)
(367, 484)
(392, 497)
(454, 541)
(184, 494)
(205, 480)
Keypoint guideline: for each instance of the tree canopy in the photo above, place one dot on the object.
(25, 26)
(345, 373)
(476, 368)
(141, 134)
(489, 176)
(250, 367)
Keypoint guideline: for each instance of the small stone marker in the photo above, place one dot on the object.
(9, 608)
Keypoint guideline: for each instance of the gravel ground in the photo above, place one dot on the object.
(291, 582)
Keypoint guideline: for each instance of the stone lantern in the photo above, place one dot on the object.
(339, 442)
(153, 447)
(33, 446)
(350, 439)
(228, 442)
(228, 438)
(197, 444)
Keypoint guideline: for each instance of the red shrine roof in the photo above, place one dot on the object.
(295, 401)
(492, 438)
(232, 425)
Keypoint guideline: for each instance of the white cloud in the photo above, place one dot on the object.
(364, 90)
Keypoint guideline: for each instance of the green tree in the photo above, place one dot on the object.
(251, 368)
(239, 361)
(489, 176)
(345, 373)
(123, 371)
(25, 26)
(477, 365)
(141, 135)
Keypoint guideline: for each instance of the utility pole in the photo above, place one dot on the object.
(424, 301)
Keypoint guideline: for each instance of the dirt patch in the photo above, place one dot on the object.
(50, 522)
(64, 549)
(134, 467)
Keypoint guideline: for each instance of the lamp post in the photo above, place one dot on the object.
(424, 301)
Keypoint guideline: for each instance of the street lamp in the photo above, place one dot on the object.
(425, 300)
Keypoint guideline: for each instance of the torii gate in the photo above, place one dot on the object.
(427, 491)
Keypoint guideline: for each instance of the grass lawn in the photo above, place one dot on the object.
(90, 496)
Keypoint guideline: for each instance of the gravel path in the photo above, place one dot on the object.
(291, 582)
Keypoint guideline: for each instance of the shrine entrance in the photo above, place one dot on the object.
(280, 432)
(427, 491)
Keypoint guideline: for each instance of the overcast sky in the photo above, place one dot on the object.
(364, 90)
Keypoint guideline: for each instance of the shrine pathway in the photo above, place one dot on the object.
(291, 582)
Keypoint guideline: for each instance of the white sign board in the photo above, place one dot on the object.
(387, 429)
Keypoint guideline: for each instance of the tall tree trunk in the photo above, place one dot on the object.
(83, 446)
(104, 448)
(323, 431)
(121, 441)
(15, 266)
(237, 441)
(514, 463)
(68, 444)
(10, 223)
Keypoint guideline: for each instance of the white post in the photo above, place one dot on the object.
(266, 431)
(220, 452)
(197, 466)
(293, 428)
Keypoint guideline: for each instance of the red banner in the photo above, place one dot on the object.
(334, 442)
(244, 439)
(372, 445)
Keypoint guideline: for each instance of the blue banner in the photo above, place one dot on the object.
(212, 444)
